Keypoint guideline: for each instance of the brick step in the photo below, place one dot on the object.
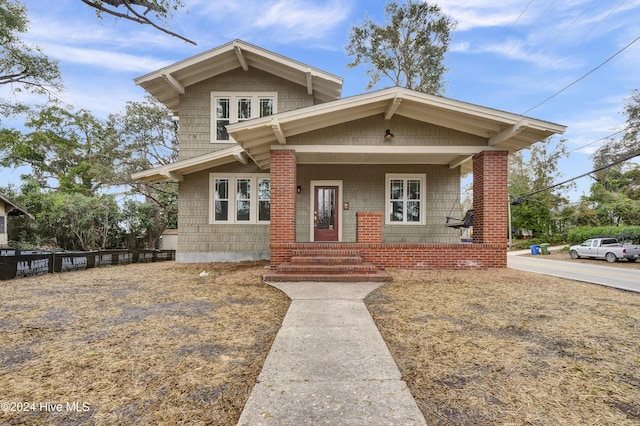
(378, 276)
(325, 268)
(326, 259)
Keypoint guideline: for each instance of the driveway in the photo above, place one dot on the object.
(598, 273)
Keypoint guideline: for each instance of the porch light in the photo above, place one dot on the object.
(299, 189)
(388, 136)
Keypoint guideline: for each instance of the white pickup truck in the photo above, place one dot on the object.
(605, 248)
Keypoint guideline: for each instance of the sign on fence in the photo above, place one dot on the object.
(20, 264)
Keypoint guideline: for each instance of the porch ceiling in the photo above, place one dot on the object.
(168, 83)
(453, 156)
(502, 130)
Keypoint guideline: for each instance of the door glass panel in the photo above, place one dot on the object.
(326, 208)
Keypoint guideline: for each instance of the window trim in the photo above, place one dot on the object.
(387, 197)
(233, 109)
(3, 224)
(254, 200)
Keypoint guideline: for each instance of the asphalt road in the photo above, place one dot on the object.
(625, 279)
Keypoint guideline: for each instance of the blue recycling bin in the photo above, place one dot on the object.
(535, 249)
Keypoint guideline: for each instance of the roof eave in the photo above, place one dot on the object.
(176, 171)
(167, 84)
(503, 130)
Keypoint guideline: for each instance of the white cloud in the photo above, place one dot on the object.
(104, 59)
(482, 13)
(304, 19)
(280, 21)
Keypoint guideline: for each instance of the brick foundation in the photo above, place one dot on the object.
(409, 256)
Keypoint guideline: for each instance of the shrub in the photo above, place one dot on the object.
(622, 233)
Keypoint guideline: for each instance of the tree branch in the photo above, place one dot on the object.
(138, 18)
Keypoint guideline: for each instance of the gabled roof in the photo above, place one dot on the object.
(176, 171)
(13, 209)
(503, 130)
(168, 83)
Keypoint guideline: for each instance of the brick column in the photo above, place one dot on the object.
(369, 227)
(490, 197)
(283, 202)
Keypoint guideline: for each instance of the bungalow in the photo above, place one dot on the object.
(8, 208)
(274, 164)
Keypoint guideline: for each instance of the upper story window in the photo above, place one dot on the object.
(233, 107)
(405, 198)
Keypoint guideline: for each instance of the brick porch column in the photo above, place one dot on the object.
(283, 202)
(490, 197)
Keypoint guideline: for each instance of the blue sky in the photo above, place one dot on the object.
(510, 55)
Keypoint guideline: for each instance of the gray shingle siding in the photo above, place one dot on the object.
(364, 189)
(195, 105)
(200, 241)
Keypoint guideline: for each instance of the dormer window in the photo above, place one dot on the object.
(232, 107)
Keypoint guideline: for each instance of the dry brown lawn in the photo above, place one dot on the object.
(137, 344)
(508, 347)
(157, 344)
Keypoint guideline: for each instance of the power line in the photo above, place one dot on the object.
(583, 77)
(599, 140)
(622, 160)
(562, 33)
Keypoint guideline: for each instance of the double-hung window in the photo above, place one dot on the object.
(404, 196)
(239, 198)
(3, 225)
(232, 107)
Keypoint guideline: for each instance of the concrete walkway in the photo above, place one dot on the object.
(329, 365)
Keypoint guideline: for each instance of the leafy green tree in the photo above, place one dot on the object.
(70, 221)
(615, 193)
(139, 221)
(74, 153)
(151, 137)
(22, 67)
(68, 151)
(409, 49)
(537, 209)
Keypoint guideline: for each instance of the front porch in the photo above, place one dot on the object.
(488, 249)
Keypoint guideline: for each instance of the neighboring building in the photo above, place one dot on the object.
(8, 208)
(169, 239)
(273, 161)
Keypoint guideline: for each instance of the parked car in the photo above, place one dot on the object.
(609, 249)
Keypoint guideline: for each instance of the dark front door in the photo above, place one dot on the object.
(325, 214)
